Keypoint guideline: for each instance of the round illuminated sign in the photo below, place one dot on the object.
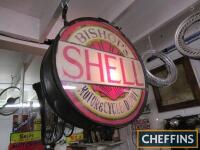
(99, 72)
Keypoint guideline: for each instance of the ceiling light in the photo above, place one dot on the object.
(69, 87)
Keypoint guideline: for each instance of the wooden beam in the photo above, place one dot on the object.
(7, 43)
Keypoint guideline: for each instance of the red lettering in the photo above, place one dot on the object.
(89, 64)
(108, 68)
(135, 74)
(72, 61)
(123, 73)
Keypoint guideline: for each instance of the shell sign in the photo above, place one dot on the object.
(98, 73)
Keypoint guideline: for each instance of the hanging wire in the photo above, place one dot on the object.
(12, 80)
(150, 42)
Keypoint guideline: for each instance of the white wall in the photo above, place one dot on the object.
(5, 130)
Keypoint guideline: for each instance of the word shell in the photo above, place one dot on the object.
(76, 63)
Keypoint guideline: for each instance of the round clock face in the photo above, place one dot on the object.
(100, 72)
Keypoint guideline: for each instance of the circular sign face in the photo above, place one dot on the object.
(100, 72)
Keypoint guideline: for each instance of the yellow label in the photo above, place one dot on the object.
(25, 137)
(75, 138)
(37, 125)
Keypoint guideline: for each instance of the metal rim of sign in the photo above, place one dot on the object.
(182, 47)
(56, 95)
(170, 66)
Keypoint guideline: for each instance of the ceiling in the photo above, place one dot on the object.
(78, 8)
(32, 8)
(145, 16)
(33, 19)
(37, 20)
